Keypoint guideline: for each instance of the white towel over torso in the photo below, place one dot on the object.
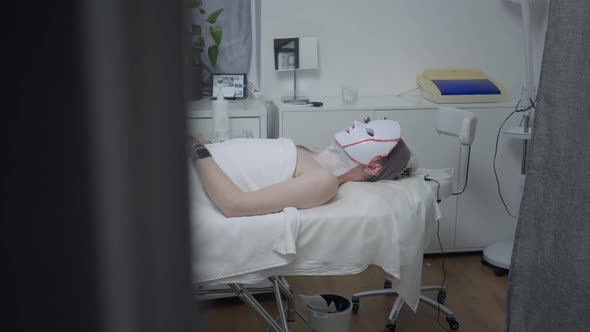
(232, 246)
(255, 163)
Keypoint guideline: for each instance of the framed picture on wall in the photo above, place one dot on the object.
(232, 85)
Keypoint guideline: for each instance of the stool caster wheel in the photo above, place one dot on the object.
(389, 328)
(441, 296)
(355, 307)
(453, 323)
(387, 284)
(500, 271)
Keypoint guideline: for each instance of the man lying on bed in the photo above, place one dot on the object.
(308, 178)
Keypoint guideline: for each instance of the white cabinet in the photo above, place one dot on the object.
(248, 118)
(470, 221)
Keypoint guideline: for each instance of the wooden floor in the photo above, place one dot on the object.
(476, 295)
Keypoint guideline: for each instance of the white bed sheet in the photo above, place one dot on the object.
(386, 224)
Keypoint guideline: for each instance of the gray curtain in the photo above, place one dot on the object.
(549, 286)
(236, 43)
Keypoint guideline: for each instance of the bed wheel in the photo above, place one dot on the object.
(355, 307)
(389, 328)
(500, 271)
(387, 284)
(453, 323)
(441, 296)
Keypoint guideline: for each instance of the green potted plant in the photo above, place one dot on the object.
(199, 46)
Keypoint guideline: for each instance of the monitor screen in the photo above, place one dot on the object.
(232, 85)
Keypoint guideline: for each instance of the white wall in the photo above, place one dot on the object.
(379, 46)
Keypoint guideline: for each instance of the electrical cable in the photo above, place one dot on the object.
(444, 270)
(494, 164)
(426, 178)
(407, 91)
(303, 319)
(521, 120)
(466, 173)
(516, 110)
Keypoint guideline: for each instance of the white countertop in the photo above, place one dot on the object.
(363, 102)
(416, 99)
(413, 100)
(252, 106)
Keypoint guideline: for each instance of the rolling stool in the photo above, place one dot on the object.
(397, 305)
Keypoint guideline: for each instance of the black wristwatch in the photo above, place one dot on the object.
(199, 151)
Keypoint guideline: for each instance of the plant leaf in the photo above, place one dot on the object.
(202, 11)
(213, 16)
(216, 33)
(213, 52)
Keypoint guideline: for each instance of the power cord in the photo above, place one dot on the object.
(427, 178)
(444, 270)
(303, 319)
(407, 91)
(466, 173)
(494, 164)
(516, 110)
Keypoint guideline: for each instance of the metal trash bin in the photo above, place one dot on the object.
(338, 321)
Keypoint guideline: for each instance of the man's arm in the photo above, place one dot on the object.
(308, 190)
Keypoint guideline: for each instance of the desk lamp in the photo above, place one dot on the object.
(293, 54)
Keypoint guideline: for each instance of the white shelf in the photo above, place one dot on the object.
(517, 132)
(409, 101)
(416, 98)
(335, 103)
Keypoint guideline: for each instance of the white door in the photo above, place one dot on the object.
(433, 151)
(317, 128)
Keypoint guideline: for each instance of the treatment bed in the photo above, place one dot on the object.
(387, 223)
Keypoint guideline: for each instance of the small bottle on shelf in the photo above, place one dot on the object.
(220, 116)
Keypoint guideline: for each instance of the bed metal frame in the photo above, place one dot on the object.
(279, 287)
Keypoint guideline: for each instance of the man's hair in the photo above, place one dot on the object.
(398, 164)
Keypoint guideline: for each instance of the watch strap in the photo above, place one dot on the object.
(199, 151)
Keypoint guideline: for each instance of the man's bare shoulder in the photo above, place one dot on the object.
(321, 179)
